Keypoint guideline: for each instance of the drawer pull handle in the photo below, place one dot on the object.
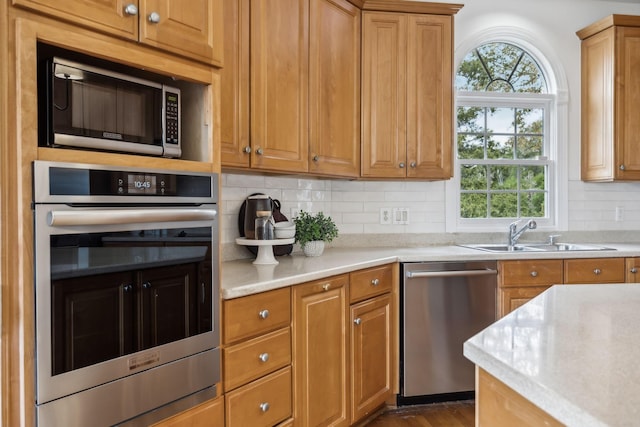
(263, 314)
(375, 282)
(357, 320)
(634, 270)
(264, 357)
(597, 271)
(264, 406)
(534, 274)
(326, 286)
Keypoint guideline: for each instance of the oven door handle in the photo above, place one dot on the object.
(127, 216)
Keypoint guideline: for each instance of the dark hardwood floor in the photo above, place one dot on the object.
(447, 414)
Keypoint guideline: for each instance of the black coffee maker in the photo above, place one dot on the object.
(255, 203)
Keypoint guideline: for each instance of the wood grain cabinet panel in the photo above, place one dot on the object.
(632, 270)
(610, 99)
(334, 88)
(368, 283)
(261, 403)
(407, 98)
(522, 280)
(194, 31)
(594, 270)
(250, 316)
(320, 334)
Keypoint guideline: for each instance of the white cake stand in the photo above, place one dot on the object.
(265, 250)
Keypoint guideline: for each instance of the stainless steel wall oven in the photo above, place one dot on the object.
(126, 291)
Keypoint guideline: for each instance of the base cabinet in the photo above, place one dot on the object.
(320, 336)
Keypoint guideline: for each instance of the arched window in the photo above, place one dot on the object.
(505, 168)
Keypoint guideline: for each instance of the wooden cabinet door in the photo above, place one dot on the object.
(627, 125)
(384, 95)
(429, 96)
(371, 355)
(235, 146)
(207, 414)
(632, 270)
(103, 15)
(279, 84)
(334, 88)
(511, 298)
(597, 67)
(194, 30)
(320, 336)
(169, 298)
(99, 317)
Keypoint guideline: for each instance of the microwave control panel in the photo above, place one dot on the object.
(172, 126)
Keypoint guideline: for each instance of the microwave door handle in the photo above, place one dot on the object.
(129, 216)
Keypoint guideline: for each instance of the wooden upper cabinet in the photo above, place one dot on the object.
(194, 31)
(407, 95)
(610, 99)
(334, 88)
(235, 146)
(279, 83)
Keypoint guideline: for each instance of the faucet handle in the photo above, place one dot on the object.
(553, 238)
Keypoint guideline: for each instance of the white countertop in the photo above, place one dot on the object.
(573, 351)
(240, 278)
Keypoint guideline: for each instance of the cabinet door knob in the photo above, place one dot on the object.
(264, 406)
(413, 164)
(401, 165)
(146, 285)
(264, 357)
(597, 271)
(534, 274)
(375, 282)
(131, 9)
(154, 17)
(263, 314)
(634, 270)
(621, 167)
(326, 286)
(247, 149)
(316, 158)
(357, 320)
(259, 151)
(128, 287)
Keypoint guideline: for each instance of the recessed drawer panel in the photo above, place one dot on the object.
(594, 270)
(253, 315)
(370, 282)
(264, 402)
(534, 272)
(252, 359)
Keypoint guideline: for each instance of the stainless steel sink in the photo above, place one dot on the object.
(539, 247)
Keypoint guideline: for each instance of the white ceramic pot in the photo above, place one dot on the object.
(313, 248)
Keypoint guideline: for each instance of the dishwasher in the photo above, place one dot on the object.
(442, 305)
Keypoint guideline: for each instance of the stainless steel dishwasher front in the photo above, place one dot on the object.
(443, 305)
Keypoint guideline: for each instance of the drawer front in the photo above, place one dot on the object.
(594, 270)
(539, 272)
(364, 284)
(264, 402)
(252, 359)
(253, 315)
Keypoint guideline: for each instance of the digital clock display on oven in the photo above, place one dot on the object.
(141, 184)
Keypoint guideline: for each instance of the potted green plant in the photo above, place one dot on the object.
(313, 230)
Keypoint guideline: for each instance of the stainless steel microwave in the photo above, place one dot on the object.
(89, 107)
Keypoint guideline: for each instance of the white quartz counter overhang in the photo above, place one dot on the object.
(573, 351)
(241, 277)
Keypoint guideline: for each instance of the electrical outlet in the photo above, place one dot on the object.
(619, 213)
(401, 216)
(385, 216)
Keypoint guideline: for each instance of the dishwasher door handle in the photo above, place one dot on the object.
(456, 273)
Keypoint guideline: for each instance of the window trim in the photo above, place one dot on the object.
(557, 86)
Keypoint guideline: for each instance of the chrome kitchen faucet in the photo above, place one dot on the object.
(514, 233)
